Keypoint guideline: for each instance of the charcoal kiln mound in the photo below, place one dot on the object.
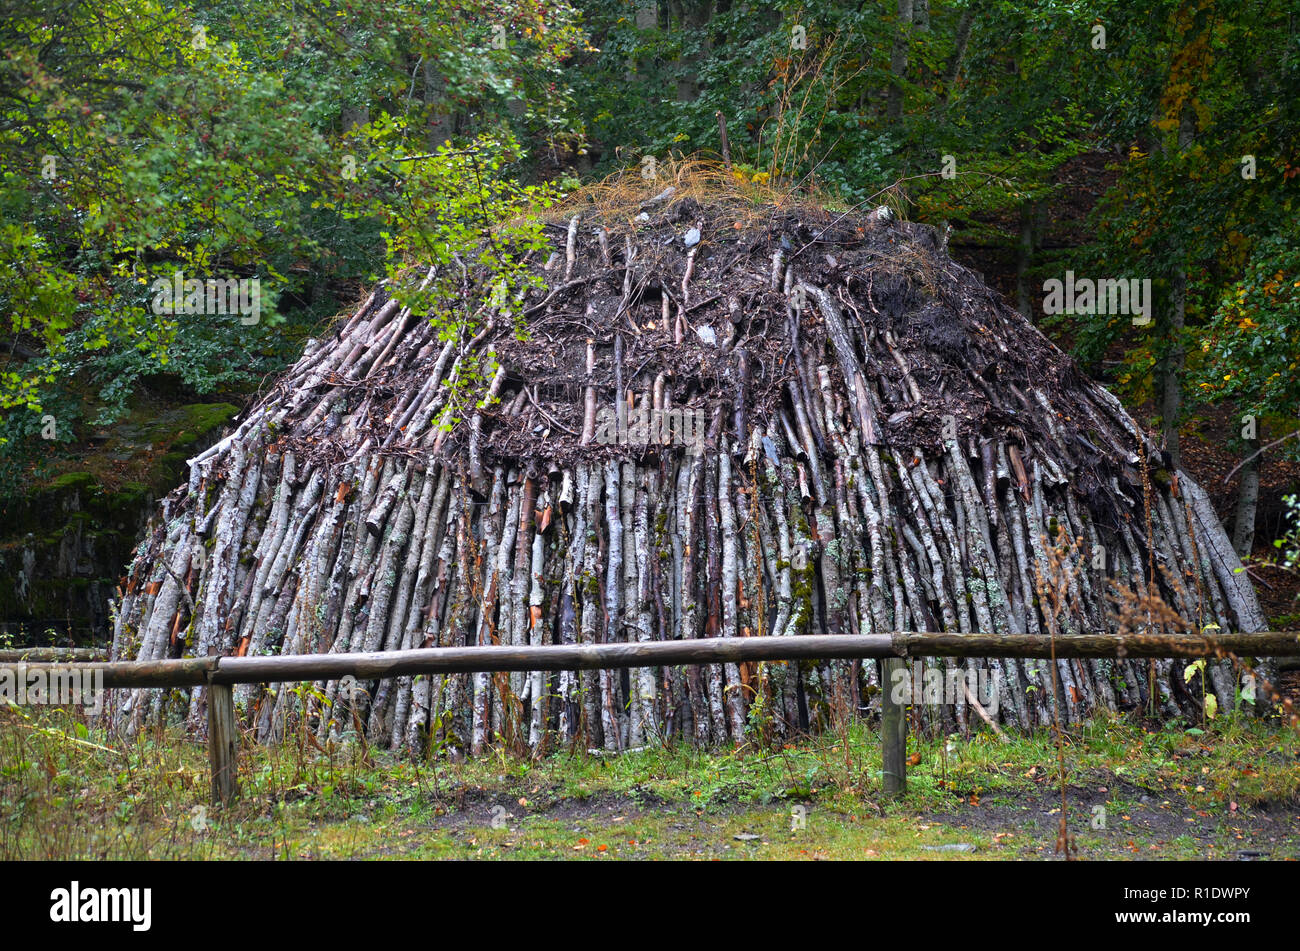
(701, 423)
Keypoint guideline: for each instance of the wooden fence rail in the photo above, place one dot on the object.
(220, 673)
(51, 654)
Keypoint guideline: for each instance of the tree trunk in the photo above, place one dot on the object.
(1171, 392)
(694, 16)
(441, 122)
(898, 57)
(960, 42)
(1025, 299)
(1243, 526)
(921, 14)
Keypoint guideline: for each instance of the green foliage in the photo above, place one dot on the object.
(1207, 188)
(458, 213)
(1252, 341)
(325, 146)
(234, 139)
(792, 105)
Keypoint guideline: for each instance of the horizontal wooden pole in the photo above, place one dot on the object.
(716, 650)
(185, 672)
(45, 655)
(1265, 644)
(377, 665)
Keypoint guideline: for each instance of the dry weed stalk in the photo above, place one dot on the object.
(1054, 581)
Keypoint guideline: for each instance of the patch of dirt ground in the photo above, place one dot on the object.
(1111, 820)
(1118, 819)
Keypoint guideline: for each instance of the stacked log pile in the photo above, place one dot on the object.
(712, 426)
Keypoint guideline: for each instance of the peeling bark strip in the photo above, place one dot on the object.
(890, 448)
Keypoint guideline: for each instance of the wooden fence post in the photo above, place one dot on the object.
(223, 740)
(893, 731)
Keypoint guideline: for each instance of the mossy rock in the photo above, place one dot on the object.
(71, 481)
(196, 421)
(75, 533)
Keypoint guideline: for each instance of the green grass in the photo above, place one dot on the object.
(69, 791)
